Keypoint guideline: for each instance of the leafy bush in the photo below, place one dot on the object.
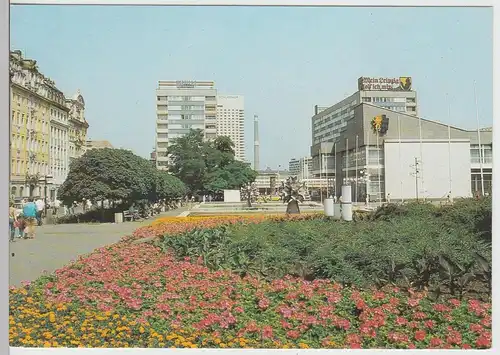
(414, 245)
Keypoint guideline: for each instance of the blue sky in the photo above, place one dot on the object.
(283, 60)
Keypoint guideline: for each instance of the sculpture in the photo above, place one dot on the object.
(250, 192)
(292, 192)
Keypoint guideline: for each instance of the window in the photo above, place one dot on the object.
(367, 99)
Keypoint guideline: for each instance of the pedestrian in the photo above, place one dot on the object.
(55, 207)
(30, 214)
(388, 198)
(20, 225)
(12, 219)
(40, 206)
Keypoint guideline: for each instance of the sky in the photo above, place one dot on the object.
(283, 60)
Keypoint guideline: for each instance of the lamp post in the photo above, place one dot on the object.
(46, 182)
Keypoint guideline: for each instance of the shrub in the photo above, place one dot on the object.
(414, 245)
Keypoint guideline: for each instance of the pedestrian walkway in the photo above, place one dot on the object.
(57, 245)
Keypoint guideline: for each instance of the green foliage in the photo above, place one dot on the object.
(412, 246)
(116, 174)
(208, 166)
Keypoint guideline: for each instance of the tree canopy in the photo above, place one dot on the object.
(117, 174)
(208, 166)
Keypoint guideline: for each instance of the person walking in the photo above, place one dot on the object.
(40, 206)
(12, 220)
(30, 217)
(20, 225)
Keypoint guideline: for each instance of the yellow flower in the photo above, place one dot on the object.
(303, 346)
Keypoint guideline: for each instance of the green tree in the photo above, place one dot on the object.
(112, 174)
(208, 166)
(168, 187)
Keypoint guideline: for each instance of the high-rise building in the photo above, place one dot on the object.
(180, 107)
(231, 121)
(395, 94)
(40, 124)
(294, 166)
(302, 168)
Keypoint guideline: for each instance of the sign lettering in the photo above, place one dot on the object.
(385, 84)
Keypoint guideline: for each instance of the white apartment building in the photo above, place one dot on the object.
(302, 168)
(180, 107)
(231, 121)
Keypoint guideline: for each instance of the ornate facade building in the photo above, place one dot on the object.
(42, 123)
(77, 126)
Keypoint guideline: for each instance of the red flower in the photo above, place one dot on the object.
(476, 328)
(293, 334)
(419, 315)
(454, 302)
(264, 303)
(429, 324)
(267, 332)
(441, 308)
(420, 335)
(401, 321)
(454, 338)
(435, 342)
(413, 302)
(413, 325)
(466, 346)
(483, 342)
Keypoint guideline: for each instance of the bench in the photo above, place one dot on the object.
(128, 216)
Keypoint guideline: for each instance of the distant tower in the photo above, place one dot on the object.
(256, 143)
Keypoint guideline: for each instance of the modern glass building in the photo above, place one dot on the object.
(383, 152)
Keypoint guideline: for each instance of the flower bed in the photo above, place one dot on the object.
(176, 225)
(129, 295)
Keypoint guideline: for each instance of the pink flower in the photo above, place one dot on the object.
(401, 321)
(267, 332)
(429, 324)
(293, 334)
(420, 335)
(264, 303)
(435, 342)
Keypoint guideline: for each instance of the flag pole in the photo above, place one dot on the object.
(400, 164)
(449, 144)
(321, 175)
(335, 167)
(367, 163)
(479, 142)
(421, 157)
(347, 161)
(378, 171)
(356, 162)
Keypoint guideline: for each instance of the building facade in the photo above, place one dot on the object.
(231, 121)
(382, 152)
(329, 123)
(294, 167)
(93, 144)
(180, 107)
(39, 125)
(78, 126)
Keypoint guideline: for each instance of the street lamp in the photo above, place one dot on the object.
(45, 179)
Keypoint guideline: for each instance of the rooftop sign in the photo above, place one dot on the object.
(402, 83)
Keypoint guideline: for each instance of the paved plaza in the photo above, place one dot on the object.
(57, 245)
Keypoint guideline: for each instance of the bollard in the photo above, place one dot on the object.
(329, 207)
(346, 203)
(118, 217)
